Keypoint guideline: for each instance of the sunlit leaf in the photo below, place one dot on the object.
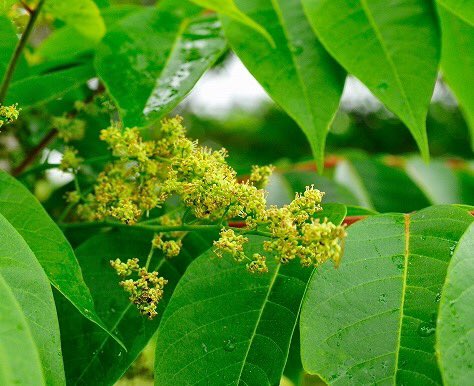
(373, 320)
(454, 335)
(25, 288)
(150, 60)
(230, 9)
(457, 60)
(48, 244)
(392, 48)
(298, 73)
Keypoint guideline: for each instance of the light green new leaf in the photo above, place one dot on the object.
(48, 244)
(21, 368)
(373, 320)
(150, 60)
(392, 47)
(455, 334)
(37, 360)
(83, 15)
(91, 357)
(457, 58)
(42, 88)
(230, 9)
(462, 9)
(298, 73)
(224, 325)
(5, 5)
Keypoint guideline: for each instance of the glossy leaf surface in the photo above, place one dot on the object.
(454, 335)
(457, 60)
(150, 60)
(48, 244)
(27, 290)
(374, 319)
(298, 73)
(394, 52)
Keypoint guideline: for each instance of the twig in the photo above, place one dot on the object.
(35, 152)
(18, 50)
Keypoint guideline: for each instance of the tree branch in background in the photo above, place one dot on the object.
(35, 152)
(18, 50)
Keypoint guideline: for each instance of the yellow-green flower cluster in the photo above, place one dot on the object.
(293, 232)
(8, 114)
(69, 129)
(230, 243)
(146, 291)
(70, 160)
(261, 175)
(170, 248)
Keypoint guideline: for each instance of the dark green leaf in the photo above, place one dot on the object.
(150, 60)
(394, 51)
(373, 320)
(48, 244)
(454, 335)
(298, 73)
(41, 88)
(27, 291)
(91, 357)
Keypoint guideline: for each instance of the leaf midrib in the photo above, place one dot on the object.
(254, 332)
(278, 12)
(378, 34)
(404, 285)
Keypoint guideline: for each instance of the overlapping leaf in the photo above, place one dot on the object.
(91, 356)
(41, 88)
(373, 320)
(151, 59)
(30, 346)
(457, 60)
(454, 335)
(394, 52)
(48, 244)
(298, 73)
(226, 326)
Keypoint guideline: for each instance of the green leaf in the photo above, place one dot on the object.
(462, 9)
(27, 291)
(8, 42)
(82, 15)
(42, 88)
(334, 191)
(440, 183)
(457, 59)
(150, 60)
(226, 326)
(394, 52)
(5, 5)
(48, 244)
(198, 47)
(298, 74)
(454, 335)
(380, 187)
(91, 357)
(372, 321)
(23, 368)
(230, 9)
